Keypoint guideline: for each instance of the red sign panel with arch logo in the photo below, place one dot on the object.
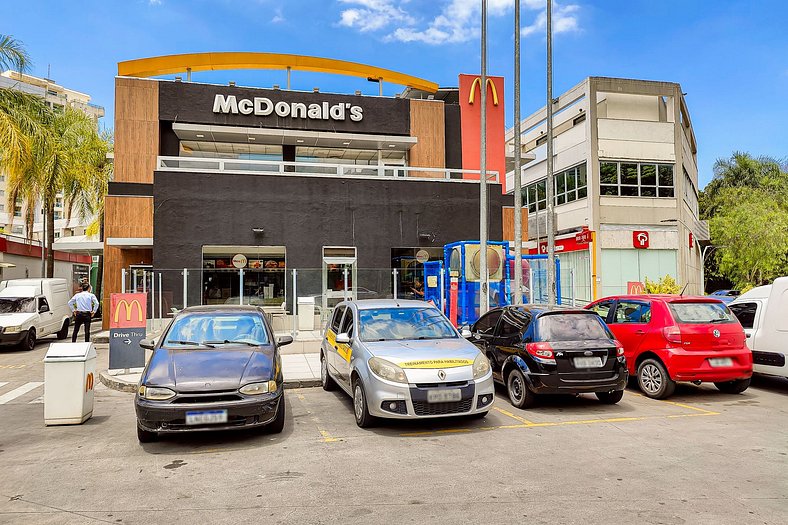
(640, 239)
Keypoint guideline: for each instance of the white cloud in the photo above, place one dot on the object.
(154, 2)
(371, 15)
(278, 16)
(457, 21)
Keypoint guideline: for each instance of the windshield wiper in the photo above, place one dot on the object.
(227, 341)
(194, 343)
(719, 320)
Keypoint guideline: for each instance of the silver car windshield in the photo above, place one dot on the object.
(397, 324)
(212, 329)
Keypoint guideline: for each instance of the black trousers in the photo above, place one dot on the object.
(81, 318)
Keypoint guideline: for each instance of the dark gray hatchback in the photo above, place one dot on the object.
(537, 349)
(214, 368)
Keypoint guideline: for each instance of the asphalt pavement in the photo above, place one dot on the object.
(699, 457)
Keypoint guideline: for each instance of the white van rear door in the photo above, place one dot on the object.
(748, 313)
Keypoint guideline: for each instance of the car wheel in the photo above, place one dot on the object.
(29, 342)
(326, 380)
(278, 424)
(610, 398)
(146, 436)
(733, 387)
(518, 391)
(63, 333)
(654, 380)
(363, 418)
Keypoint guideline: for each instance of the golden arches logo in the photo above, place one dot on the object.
(477, 84)
(129, 307)
(635, 288)
(89, 382)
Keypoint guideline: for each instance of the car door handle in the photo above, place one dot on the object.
(640, 332)
(747, 335)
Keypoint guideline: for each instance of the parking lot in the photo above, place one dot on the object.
(699, 457)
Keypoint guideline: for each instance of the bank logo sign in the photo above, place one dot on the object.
(264, 106)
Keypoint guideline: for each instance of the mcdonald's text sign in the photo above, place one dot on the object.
(128, 310)
(635, 288)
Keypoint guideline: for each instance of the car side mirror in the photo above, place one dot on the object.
(43, 308)
(467, 334)
(284, 340)
(343, 338)
(147, 344)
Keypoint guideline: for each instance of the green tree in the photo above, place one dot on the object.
(13, 54)
(745, 203)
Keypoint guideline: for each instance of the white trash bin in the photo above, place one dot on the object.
(306, 313)
(69, 377)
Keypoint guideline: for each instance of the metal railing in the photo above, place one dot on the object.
(203, 164)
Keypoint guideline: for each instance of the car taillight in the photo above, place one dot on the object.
(542, 352)
(672, 334)
(619, 348)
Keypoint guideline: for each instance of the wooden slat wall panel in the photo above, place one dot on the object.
(427, 124)
(508, 223)
(128, 217)
(136, 129)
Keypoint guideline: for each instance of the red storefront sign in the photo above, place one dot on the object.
(470, 123)
(128, 310)
(635, 288)
(640, 239)
(562, 245)
(584, 237)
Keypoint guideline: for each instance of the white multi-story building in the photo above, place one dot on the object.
(56, 96)
(625, 165)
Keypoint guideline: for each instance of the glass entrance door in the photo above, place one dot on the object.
(339, 275)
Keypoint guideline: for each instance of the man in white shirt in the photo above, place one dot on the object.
(84, 304)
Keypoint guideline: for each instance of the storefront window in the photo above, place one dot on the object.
(264, 275)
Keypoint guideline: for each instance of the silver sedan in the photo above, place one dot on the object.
(403, 359)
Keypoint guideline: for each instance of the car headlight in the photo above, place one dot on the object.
(12, 329)
(387, 370)
(253, 389)
(481, 366)
(155, 393)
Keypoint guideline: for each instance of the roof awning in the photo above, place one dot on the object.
(130, 242)
(81, 244)
(292, 137)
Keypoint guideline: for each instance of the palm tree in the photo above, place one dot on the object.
(70, 155)
(13, 55)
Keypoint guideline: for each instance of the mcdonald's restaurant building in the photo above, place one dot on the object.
(214, 178)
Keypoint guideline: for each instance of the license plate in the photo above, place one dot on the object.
(206, 417)
(721, 361)
(443, 396)
(588, 362)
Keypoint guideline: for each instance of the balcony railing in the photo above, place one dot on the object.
(322, 169)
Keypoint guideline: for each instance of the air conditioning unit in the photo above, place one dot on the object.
(495, 262)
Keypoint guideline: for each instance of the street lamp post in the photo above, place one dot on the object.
(518, 180)
(483, 297)
(551, 288)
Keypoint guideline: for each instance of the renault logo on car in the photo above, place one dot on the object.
(441, 375)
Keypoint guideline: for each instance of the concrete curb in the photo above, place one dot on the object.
(121, 385)
(117, 384)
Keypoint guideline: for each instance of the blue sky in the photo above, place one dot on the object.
(730, 57)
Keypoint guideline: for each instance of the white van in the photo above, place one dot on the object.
(33, 308)
(763, 312)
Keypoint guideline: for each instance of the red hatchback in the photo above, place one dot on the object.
(670, 338)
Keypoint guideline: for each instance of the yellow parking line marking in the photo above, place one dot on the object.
(327, 437)
(513, 416)
(682, 405)
(8, 367)
(556, 424)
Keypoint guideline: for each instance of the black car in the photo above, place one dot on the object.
(537, 349)
(214, 368)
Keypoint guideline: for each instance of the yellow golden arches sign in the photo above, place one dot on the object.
(89, 382)
(128, 310)
(169, 64)
(129, 307)
(477, 84)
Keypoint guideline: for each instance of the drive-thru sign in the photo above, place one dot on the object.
(127, 327)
